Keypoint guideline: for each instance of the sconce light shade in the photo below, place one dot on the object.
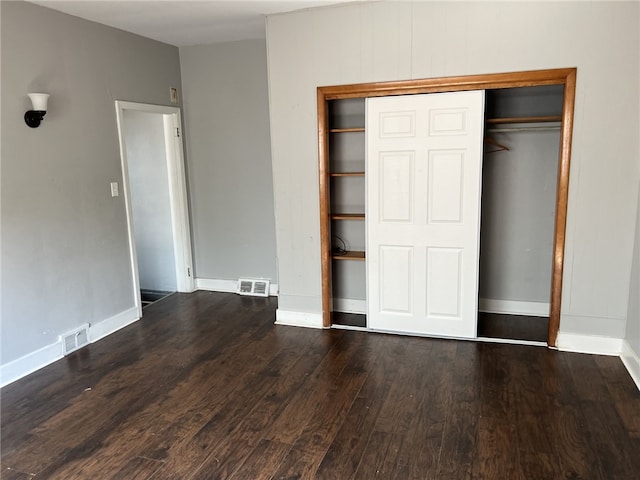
(35, 116)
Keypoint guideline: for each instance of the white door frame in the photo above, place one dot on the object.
(177, 194)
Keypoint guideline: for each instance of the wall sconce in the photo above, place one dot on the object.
(35, 116)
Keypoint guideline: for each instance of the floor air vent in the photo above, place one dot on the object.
(256, 288)
(74, 340)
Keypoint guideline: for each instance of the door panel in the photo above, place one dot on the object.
(396, 272)
(447, 121)
(424, 155)
(396, 185)
(444, 282)
(446, 183)
(400, 124)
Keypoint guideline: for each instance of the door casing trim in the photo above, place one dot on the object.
(177, 194)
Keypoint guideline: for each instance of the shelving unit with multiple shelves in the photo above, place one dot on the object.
(343, 209)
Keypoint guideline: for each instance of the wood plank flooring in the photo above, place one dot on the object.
(205, 386)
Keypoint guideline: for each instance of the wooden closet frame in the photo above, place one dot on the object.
(562, 76)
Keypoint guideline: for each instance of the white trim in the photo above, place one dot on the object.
(350, 327)
(511, 341)
(133, 257)
(571, 342)
(298, 319)
(216, 285)
(631, 360)
(349, 305)
(513, 307)
(177, 194)
(179, 205)
(112, 324)
(29, 363)
(227, 286)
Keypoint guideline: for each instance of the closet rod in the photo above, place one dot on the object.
(521, 129)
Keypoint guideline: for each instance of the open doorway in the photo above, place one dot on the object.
(155, 195)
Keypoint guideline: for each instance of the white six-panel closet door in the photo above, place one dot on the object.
(424, 164)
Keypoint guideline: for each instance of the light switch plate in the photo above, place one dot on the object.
(114, 189)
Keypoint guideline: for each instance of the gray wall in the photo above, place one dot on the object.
(150, 202)
(381, 41)
(226, 112)
(65, 255)
(518, 214)
(519, 197)
(633, 315)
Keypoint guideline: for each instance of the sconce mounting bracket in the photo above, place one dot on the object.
(34, 117)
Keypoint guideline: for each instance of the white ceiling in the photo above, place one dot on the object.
(182, 23)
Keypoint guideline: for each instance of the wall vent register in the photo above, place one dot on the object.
(255, 288)
(75, 339)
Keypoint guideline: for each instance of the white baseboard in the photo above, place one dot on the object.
(29, 363)
(106, 327)
(631, 360)
(227, 286)
(23, 366)
(513, 307)
(571, 342)
(298, 319)
(216, 285)
(349, 305)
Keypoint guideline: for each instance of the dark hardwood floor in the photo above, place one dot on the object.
(205, 386)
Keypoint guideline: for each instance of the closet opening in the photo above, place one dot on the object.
(518, 210)
(519, 105)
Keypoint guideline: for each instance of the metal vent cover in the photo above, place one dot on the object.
(74, 340)
(253, 287)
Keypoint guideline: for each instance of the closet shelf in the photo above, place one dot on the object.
(543, 119)
(349, 255)
(347, 174)
(347, 216)
(346, 130)
(522, 129)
